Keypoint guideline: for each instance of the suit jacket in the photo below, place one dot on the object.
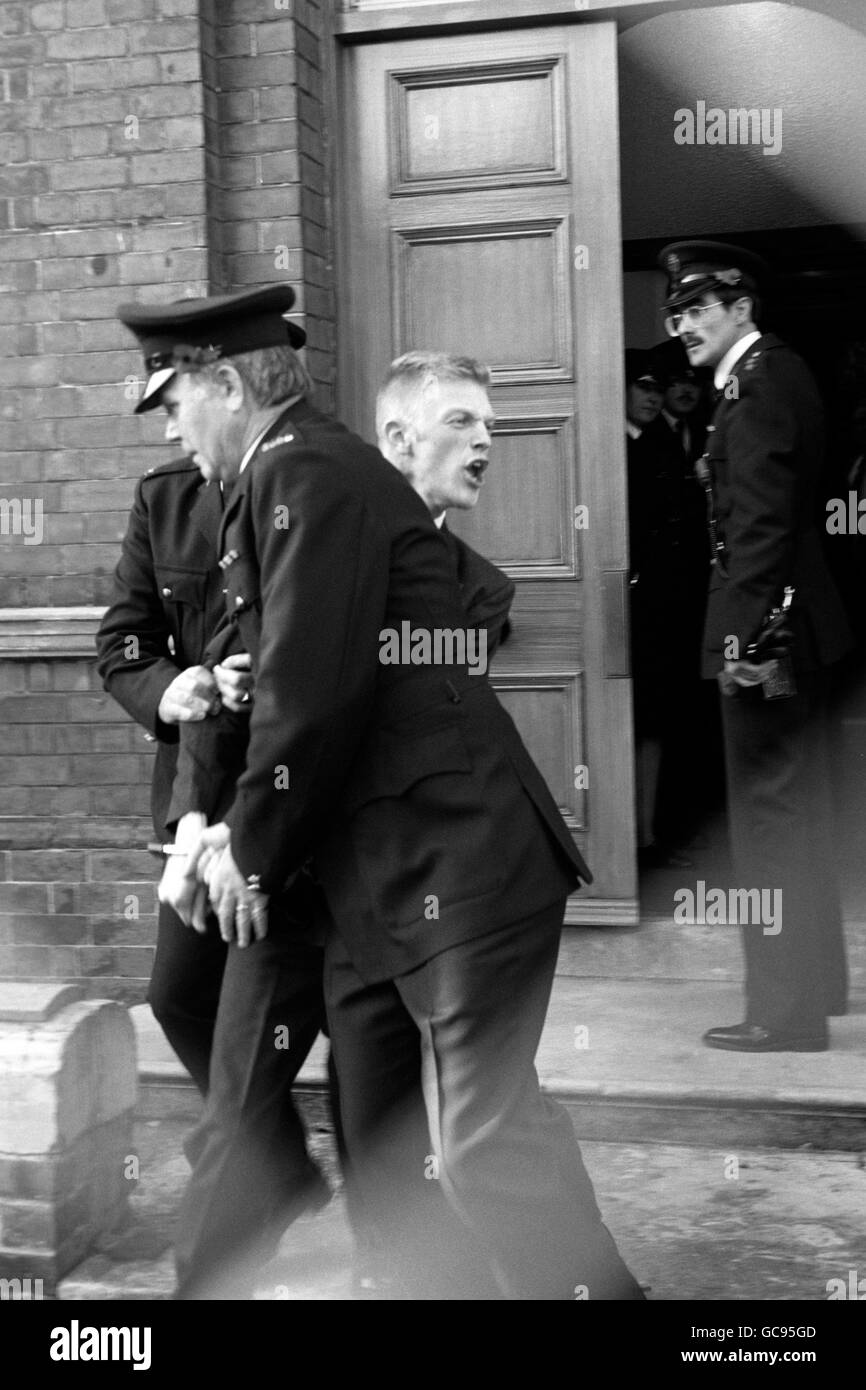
(212, 752)
(765, 452)
(168, 598)
(428, 821)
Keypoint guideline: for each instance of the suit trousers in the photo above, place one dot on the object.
(780, 820)
(185, 989)
(252, 1175)
(472, 1177)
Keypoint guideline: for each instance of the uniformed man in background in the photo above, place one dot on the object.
(770, 653)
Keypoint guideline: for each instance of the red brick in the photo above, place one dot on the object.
(23, 52)
(23, 897)
(110, 433)
(53, 209)
(118, 865)
(172, 8)
(27, 178)
(170, 236)
(86, 13)
(13, 148)
(163, 267)
(87, 43)
(119, 931)
(88, 140)
(49, 81)
(135, 962)
(28, 371)
(87, 173)
(78, 274)
(253, 10)
(276, 38)
(185, 198)
(166, 168)
(124, 11)
(264, 138)
(245, 74)
(234, 40)
(182, 100)
(43, 962)
(47, 16)
(37, 434)
(281, 168)
(47, 865)
(163, 36)
(60, 929)
(24, 246)
(180, 67)
(87, 110)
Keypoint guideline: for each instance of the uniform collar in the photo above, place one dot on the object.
(732, 357)
(263, 434)
(633, 431)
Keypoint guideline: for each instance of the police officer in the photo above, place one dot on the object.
(774, 625)
(168, 602)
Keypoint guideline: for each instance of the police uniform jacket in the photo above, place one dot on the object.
(765, 452)
(428, 821)
(166, 602)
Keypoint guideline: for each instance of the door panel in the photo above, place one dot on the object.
(478, 213)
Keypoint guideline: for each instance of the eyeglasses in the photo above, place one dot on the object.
(692, 317)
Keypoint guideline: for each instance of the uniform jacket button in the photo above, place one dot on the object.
(166, 593)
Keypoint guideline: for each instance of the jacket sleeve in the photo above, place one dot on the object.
(323, 588)
(212, 752)
(763, 449)
(133, 658)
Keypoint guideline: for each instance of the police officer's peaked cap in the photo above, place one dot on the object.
(695, 268)
(193, 332)
(639, 367)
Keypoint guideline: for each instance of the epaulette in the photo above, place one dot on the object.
(275, 443)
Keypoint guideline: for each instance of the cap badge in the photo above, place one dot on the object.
(728, 277)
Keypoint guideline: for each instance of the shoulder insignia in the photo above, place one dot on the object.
(228, 559)
(750, 361)
(275, 443)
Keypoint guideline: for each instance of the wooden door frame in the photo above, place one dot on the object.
(606, 599)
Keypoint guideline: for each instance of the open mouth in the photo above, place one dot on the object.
(476, 469)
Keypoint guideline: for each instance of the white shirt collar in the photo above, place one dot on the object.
(732, 356)
(633, 431)
(252, 449)
(439, 521)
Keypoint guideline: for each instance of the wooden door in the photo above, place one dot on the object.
(477, 204)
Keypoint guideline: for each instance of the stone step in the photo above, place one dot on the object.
(661, 949)
(625, 1057)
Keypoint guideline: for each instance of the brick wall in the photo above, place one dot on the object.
(150, 149)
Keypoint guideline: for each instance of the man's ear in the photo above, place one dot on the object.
(230, 384)
(745, 309)
(398, 437)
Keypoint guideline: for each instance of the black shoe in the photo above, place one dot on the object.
(751, 1037)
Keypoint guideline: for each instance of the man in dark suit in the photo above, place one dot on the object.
(764, 460)
(377, 745)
